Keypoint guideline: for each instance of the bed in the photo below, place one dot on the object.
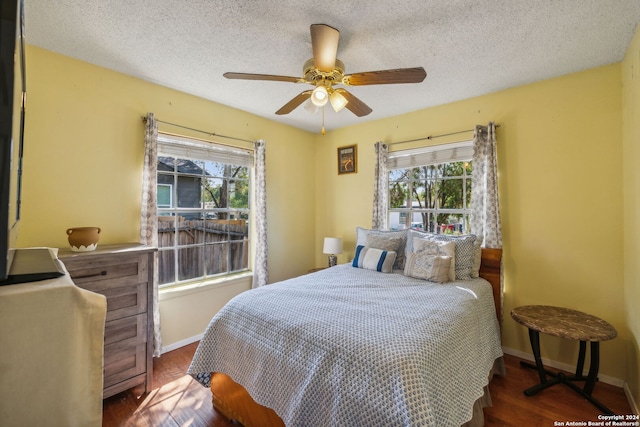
(349, 346)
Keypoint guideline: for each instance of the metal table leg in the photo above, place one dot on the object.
(593, 368)
(534, 338)
(580, 364)
(590, 379)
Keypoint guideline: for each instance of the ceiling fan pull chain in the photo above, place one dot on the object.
(323, 120)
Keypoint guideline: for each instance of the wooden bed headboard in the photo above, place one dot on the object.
(490, 267)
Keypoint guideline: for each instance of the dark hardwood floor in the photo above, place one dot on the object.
(177, 400)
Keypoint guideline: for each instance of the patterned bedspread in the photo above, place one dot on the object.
(354, 347)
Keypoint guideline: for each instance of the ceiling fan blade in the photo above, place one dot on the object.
(248, 76)
(294, 103)
(324, 41)
(383, 77)
(354, 105)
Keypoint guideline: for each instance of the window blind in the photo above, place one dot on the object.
(432, 155)
(194, 149)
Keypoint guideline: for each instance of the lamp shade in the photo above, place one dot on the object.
(310, 107)
(338, 102)
(332, 245)
(320, 96)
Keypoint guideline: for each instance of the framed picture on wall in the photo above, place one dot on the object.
(347, 159)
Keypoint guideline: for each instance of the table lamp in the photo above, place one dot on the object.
(332, 246)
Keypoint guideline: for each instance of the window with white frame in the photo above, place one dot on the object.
(165, 195)
(203, 191)
(430, 188)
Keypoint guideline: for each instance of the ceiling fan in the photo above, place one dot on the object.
(325, 71)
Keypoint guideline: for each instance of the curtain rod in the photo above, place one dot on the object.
(201, 131)
(435, 136)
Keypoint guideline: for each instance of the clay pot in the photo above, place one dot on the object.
(83, 239)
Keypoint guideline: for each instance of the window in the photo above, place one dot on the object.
(430, 188)
(165, 195)
(203, 209)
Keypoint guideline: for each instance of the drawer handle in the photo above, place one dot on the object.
(102, 273)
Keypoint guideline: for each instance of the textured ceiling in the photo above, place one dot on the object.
(467, 47)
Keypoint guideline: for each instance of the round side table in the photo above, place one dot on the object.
(572, 325)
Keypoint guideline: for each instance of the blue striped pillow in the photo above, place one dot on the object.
(374, 259)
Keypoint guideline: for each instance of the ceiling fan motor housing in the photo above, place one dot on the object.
(314, 76)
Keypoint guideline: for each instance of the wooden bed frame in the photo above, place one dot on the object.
(235, 403)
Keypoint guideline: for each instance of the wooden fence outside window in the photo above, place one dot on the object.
(204, 247)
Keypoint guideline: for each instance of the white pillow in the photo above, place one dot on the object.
(374, 259)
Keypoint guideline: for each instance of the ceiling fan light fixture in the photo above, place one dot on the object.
(320, 96)
(310, 106)
(338, 101)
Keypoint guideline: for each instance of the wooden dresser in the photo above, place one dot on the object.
(124, 274)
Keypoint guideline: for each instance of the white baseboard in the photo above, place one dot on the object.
(181, 343)
(632, 401)
(563, 366)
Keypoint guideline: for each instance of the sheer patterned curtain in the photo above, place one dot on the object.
(485, 208)
(260, 270)
(149, 218)
(380, 187)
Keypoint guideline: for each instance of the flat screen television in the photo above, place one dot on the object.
(12, 115)
(30, 264)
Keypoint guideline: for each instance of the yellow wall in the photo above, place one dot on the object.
(560, 154)
(631, 191)
(83, 164)
(560, 147)
(84, 153)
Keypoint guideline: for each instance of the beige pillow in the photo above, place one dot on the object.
(432, 247)
(431, 267)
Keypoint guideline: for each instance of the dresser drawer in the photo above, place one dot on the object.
(96, 272)
(122, 279)
(126, 331)
(123, 362)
